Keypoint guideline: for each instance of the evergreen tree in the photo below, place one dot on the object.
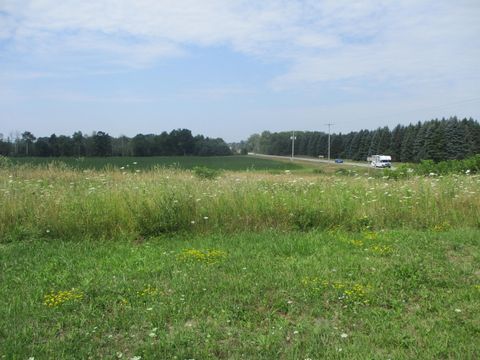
(456, 146)
(434, 141)
(407, 152)
(364, 146)
(355, 145)
(385, 137)
(419, 150)
(396, 140)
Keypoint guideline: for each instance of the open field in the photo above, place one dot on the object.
(272, 295)
(232, 163)
(289, 264)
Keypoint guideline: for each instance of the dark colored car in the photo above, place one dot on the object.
(338, 161)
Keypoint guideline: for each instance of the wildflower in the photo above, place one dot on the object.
(149, 290)
(458, 310)
(136, 358)
(134, 163)
(205, 218)
(206, 256)
(343, 335)
(54, 299)
(149, 309)
(192, 222)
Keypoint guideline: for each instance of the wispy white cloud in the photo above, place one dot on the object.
(321, 40)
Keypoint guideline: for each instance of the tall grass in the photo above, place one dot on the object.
(60, 202)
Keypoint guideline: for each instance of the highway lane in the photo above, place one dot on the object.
(299, 158)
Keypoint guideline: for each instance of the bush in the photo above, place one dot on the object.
(470, 165)
(203, 172)
(5, 162)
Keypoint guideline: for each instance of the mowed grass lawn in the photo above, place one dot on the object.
(232, 163)
(270, 295)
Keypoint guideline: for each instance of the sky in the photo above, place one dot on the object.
(231, 68)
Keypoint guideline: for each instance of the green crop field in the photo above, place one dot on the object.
(233, 163)
(172, 263)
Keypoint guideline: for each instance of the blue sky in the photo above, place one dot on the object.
(232, 68)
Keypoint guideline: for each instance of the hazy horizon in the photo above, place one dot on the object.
(233, 68)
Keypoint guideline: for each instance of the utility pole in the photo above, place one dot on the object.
(329, 125)
(293, 144)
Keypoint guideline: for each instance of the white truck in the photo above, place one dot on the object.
(381, 161)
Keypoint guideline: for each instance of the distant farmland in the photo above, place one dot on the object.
(232, 163)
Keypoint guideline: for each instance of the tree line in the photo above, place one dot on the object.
(437, 140)
(99, 143)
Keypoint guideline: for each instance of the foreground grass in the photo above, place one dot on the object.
(370, 295)
(64, 203)
(231, 163)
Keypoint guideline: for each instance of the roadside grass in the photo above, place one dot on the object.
(207, 264)
(231, 163)
(57, 202)
(271, 295)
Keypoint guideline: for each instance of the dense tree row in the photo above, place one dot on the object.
(432, 140)
(177, 142)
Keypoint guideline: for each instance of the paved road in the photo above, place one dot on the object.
(298, 158)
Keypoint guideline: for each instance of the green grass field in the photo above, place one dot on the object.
(231, 163)
(271, 295)
(164, 263)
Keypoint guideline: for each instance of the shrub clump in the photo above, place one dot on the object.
(5, 162)
(203, 172)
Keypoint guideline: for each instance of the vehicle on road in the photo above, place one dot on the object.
(338, 161)
(381, 161)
